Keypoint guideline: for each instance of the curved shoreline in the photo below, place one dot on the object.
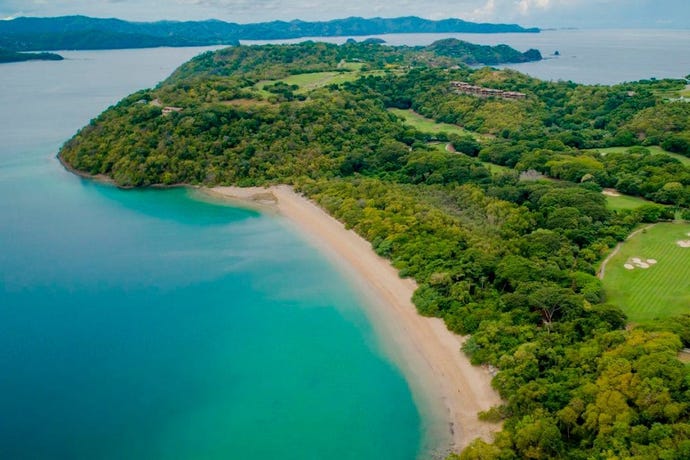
(102, 178)
(449, 391)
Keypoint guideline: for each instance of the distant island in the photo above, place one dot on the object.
(81, 32)
(12, 56)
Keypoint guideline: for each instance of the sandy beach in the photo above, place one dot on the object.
(448, 389)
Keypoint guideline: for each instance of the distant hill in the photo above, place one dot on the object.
(11, 56)
(81, 32)
(471, 53)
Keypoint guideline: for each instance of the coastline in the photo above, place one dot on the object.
(448, 390)
(101, 178)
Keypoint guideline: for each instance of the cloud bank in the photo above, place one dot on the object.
(541, 13)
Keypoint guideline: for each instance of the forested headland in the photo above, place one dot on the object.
(11, 56)
(508, 257)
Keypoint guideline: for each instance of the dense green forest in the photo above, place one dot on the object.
(81, 32)
(505, 257)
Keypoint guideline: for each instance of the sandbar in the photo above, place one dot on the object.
(448, 390)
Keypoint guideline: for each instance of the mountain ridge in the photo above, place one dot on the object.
(83, 32)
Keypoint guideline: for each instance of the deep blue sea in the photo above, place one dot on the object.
(155, 325)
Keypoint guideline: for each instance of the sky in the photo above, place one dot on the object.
(540, 13)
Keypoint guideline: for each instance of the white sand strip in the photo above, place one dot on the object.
(445, 385)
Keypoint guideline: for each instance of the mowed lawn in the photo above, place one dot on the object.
(620, 202)
(653, 149)
(313, 80)
(427, 125)
(663, 289)
(309, 81)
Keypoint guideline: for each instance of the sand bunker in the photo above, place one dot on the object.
(638, 262)
(610, 192)
(683, 243)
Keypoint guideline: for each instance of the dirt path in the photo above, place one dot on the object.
(602, 269)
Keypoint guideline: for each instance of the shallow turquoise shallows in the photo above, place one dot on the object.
(154, 325)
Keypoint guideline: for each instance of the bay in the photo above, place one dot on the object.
(153, 324)
(598, 56)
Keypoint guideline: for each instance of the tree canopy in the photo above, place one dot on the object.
(509, 261)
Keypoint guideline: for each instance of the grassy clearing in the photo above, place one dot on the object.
(351, 65)
(617, 203)
(496, 169)
(427, 125)
(310, 81)
(654, 150)
(663, 289)
(672, 93)
(314, 80)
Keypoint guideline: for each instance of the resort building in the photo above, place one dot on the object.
(480, 91)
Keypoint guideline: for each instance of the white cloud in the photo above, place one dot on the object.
(486, 11)
(544, 13)
(525, 6)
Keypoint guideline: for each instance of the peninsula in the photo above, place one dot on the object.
(11, 56)
(482, 189)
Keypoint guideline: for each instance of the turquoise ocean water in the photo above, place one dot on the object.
(153, 325)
